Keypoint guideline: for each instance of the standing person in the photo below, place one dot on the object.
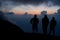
(52, 26)
(34, 21)
(45, 22)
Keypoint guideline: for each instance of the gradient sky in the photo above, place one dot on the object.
(30, 6)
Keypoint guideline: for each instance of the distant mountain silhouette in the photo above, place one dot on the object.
(10, 13)
(6, 26)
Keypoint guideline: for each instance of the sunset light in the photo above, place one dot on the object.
(34, 9)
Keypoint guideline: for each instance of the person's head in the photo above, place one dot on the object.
(35, 15)
(45, 15)
(53, 18)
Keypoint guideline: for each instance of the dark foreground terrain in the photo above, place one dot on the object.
(10, 30)
(29, 36)
(41, 36)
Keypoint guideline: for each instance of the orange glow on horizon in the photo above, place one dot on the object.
(34, 9)
(33, 12)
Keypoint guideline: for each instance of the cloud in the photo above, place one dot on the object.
(28, 1)
(36, 2)
(56, 2)
(7, 5)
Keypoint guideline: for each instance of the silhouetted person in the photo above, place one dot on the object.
(52, 26)
(34, 21)
(45, 22)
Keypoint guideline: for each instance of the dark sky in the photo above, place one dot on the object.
(55, 2)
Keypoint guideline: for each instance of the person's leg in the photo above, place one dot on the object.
(33, 28)
(36, 29)
(49, 32)
(43, 30)
(53, 32)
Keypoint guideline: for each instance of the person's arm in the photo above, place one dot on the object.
(48, 20)
(55, 22)
(42, 20)
(31, 21)
(38, 20)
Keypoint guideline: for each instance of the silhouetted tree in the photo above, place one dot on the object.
(26, 13)
(34, 21)
(43, 13)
